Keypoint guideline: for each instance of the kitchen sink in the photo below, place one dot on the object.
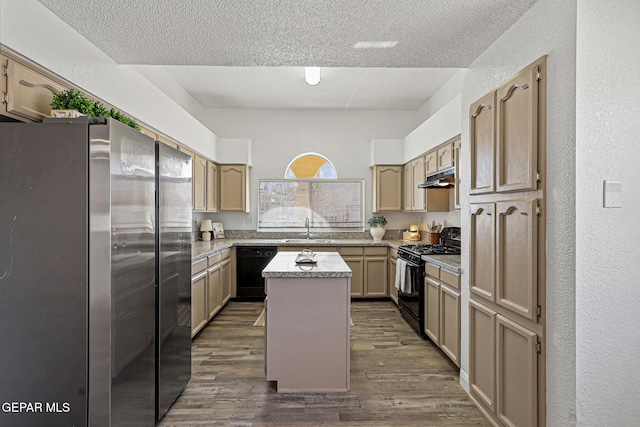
(308, 241)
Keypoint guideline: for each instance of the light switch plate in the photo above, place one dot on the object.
(612, 194)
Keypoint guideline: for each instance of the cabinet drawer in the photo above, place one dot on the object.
(226, 254)
(432, 270)
(393, 252)
(376, 250)
(215, 258)
(352, 250)
(198, 266)
(450, 279)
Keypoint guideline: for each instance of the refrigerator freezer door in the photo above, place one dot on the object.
(174, 275)
(121, 276)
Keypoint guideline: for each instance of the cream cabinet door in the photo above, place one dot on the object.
(375, 276)
(164, 140)
(199, 183)
(28, 93)
(407, 178)
(226, 281)
(450, 323)
(199, 313)
(445, 157)
(233, 188)
(517, 133)
(517, 374)
(214, 293)
(456, 190)
(391, 277)
(482, 144)
(482, 355)
(430, 164)
(356, 264)
(516, 252)
(432, 310)
(387, 188)
(482, 261)
(418, 197)
(212, 187)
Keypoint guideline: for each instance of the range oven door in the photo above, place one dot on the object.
(411, 304)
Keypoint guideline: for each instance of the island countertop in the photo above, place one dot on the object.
(329, 264)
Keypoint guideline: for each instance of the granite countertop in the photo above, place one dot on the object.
(201, 249)
(329, 264)
(448, 262)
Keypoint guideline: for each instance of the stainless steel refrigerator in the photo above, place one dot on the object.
(95, 250)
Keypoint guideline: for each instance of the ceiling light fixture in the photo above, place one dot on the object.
(312, 75)
(375, 44)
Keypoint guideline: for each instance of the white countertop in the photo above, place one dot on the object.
(330, 264)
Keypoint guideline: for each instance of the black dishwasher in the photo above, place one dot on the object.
(251, 260)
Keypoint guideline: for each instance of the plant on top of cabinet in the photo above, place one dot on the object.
(72, 99)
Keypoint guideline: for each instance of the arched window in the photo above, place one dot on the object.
(310, 165)
(311, 195)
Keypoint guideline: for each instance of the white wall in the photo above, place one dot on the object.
(30, 29)
(547, 28)
(277, 136)
(441, 126)
(443, 95)
(607, 250)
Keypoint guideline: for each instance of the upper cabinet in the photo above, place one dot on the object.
(407, 183)
(445, 156)
(504, 128)
(26, 94)
(430, 163)
(418, 174)
(212, 186)
(199, 183)
(482, 144)
(387, 188)
(456, 160)
(162, 139)
(517, 132)
(234, 188)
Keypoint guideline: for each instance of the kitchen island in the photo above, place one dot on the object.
(307, 323)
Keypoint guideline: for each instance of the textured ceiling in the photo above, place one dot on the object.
(294, 33)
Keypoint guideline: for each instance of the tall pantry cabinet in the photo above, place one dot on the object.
(507, 256)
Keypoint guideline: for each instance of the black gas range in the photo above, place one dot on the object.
(411, 291)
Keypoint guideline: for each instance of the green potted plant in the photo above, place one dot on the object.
(377, 227)
(72, 103)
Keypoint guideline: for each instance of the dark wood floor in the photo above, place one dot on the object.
(397, 379)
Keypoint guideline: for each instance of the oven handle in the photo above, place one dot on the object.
(410, 263)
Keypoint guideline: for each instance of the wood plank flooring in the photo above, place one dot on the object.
(397, 378)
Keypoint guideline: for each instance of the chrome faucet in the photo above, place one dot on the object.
(306, 224)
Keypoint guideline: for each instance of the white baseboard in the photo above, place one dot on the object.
(464, 380)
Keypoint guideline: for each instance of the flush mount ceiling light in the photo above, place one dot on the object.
(312, 75)
(375, 44)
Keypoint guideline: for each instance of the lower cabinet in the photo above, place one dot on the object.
(369, 270)
(503, 367)
(442, 310)
(210, 288)
(199, 315)
(391, 276)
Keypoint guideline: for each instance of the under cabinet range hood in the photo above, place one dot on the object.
(443, 179)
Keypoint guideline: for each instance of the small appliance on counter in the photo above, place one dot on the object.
(412, 234)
